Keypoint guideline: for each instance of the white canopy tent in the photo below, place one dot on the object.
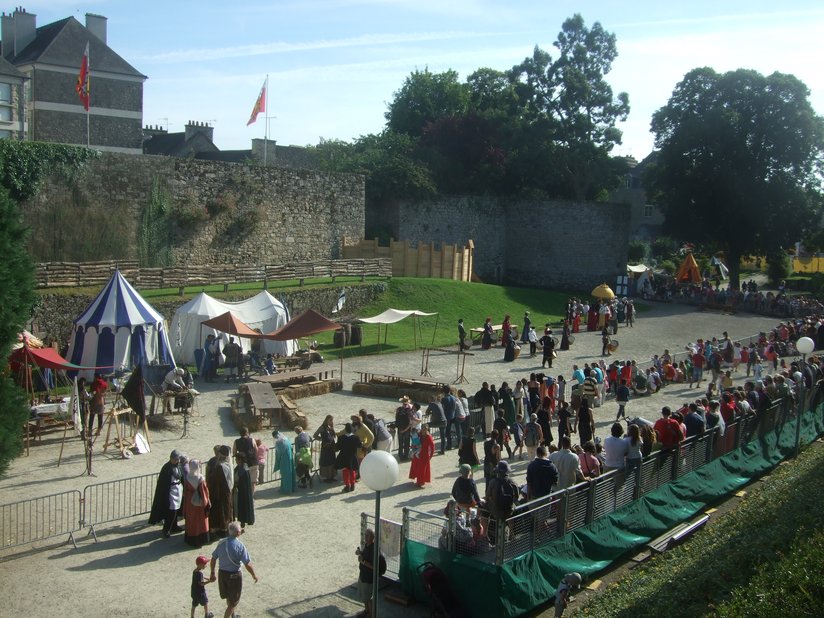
(391, 316)
(263, 311)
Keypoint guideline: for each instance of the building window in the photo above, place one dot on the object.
(647, 212)
(5, 134)
(5, 93)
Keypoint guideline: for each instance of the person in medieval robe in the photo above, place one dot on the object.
(196, 506)
(168, 495)
(242, 496)
(284, 462)
(221, 482)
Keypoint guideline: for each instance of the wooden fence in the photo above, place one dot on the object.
(447, 262)
(77, 274)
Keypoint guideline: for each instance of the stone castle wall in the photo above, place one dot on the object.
(531, 243)
(224, 212)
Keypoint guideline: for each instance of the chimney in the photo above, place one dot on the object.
(7, 34)
(25, 26)
(193, 128)
(96, 24)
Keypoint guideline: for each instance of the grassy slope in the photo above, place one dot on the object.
(757, 561)
(451, 300)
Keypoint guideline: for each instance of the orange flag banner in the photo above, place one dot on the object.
(260, 105)
(82, 87)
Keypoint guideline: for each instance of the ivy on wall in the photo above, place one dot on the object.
(155, 235)
(23, 165)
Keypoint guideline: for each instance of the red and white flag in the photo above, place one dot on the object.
(260, 105)
(82, 86)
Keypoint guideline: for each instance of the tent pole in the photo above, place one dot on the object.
(437, 318)
(415, 330)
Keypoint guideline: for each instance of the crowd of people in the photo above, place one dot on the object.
(548, 420)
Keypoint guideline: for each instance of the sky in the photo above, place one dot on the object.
(333, 65)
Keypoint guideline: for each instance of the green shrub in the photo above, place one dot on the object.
(669, 267)
(636, 251)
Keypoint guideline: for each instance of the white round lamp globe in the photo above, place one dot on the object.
(379, 470)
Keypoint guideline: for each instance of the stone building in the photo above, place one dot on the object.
(195, 140)
(646, 220)
(12, 101)
(50, 57)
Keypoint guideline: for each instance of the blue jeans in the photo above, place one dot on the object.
(459, 429)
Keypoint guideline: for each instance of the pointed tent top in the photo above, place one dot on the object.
(229, 324)
(307, 323)
(118, 304)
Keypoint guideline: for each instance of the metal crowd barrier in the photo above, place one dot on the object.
(43, 518)
(115, 500)
(545, 519)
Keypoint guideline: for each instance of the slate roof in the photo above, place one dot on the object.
(63, 42)
(9, 70)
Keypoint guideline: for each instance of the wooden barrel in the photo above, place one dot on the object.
(356, 337)
(339, 338)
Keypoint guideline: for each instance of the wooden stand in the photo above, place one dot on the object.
(121, 441)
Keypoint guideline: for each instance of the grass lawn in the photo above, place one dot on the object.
(764, 558)
(451, 300)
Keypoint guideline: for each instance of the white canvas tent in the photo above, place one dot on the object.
(263, 311)
(119, 329)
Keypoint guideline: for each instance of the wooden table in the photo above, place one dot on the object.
(498, 329)
(396, 380)
(281, 380)
(263, 400)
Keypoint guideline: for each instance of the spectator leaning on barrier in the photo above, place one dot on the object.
(541, 475)
(667, 430)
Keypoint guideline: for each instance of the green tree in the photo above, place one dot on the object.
(568, 101)
(423, 98)
(739, 163)
(388, 160)
(16, 303)
(636, 251)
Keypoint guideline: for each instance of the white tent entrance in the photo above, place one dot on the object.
(262, 312)
(391, 316)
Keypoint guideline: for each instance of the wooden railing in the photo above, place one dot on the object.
(77, 274)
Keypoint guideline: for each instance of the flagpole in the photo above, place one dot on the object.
(89, 78)
(266, 112)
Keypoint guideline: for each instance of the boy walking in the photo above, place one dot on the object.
(199, 582)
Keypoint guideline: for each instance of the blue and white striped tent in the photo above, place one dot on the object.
(119, 330)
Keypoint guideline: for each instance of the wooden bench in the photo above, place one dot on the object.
(280, 380)
(677, 535)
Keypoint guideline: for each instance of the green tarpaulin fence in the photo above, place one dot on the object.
(529, 581)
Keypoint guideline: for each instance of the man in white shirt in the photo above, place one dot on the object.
(568, 464)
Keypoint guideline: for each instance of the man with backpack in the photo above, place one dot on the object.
(501, 493)
(668, 430)
(541, 476)
(533, 436)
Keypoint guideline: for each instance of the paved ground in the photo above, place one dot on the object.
(302, 545)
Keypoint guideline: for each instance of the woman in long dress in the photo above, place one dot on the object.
(284, 462)
(565, 336)
(327, 437)
(420, 471)
(220, 481)
(486, 339)
(196, 506)
(244, 501)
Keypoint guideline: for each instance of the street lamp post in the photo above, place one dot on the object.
(379, 471)
(805, 346)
